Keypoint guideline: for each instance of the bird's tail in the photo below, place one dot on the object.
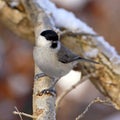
(88, 60)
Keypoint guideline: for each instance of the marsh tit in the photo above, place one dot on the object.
(54, 59)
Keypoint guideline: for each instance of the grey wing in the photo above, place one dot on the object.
(66, 56)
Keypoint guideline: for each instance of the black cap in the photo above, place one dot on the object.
(50, 35)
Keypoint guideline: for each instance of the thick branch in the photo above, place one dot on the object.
(107, 78)
(15, 18)
(45, 102)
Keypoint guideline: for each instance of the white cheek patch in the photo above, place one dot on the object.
(41, 41)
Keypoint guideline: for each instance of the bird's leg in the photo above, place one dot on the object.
(51, 89)
(37, 76)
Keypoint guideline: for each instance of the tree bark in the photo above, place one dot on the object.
(43, 105)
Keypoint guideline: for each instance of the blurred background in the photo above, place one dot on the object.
(17, 67)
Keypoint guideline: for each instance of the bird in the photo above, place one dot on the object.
(53, 58)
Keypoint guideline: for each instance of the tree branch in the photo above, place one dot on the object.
(45, 102)
(96, 100)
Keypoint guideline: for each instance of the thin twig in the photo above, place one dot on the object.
(60, 98)
(17, 112)
(96, 100)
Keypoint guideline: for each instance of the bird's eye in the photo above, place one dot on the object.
(54, 44)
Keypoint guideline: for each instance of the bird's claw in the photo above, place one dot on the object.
(37, 76)
(48, 92)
